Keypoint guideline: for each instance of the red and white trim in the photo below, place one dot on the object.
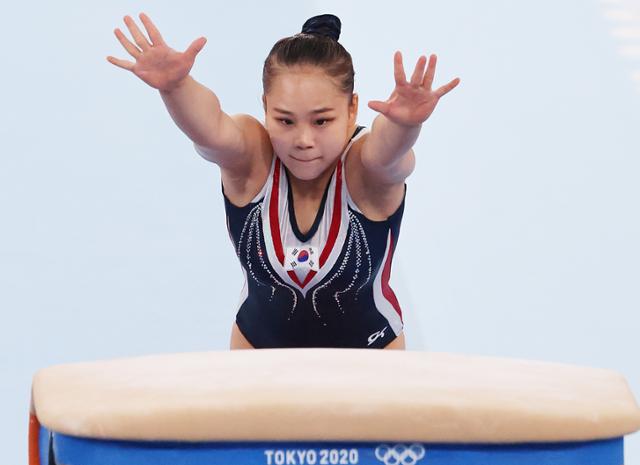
(383, 296)
(328, 239)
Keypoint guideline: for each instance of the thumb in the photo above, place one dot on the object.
(196, 46)
(380, 107)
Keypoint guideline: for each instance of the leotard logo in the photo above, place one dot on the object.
(376, 335)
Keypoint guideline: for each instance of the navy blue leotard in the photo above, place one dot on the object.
(326, 288)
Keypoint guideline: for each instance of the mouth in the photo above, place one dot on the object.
(303, 161)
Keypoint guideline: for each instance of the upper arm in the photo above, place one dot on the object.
(241, 141)
(377, 192)
(244, 156)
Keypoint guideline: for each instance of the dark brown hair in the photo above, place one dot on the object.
(316, 45)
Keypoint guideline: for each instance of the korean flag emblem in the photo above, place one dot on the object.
(301, 258)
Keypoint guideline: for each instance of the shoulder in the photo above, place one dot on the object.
(255, 136)
(377, 197)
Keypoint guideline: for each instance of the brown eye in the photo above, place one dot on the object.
(285, 121)
(324, 121)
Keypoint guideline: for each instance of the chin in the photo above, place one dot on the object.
(305, 175)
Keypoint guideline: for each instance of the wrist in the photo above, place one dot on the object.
(403, 126)
(177, 86)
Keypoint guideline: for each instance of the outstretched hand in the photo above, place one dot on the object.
(411, 103)
(155, 62)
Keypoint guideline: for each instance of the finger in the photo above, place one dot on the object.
(137, 35)
(447, 87)
(128, 65)
(431, 71)
(418, 73)
(196, 46)
(152, 30)
(380, 107)
(398, 69)
(134, 51)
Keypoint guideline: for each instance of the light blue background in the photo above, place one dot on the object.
(520, 235)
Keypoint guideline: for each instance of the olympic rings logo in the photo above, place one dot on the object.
(399, 454)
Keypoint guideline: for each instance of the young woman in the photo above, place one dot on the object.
(313, 200)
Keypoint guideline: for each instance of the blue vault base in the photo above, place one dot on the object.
(60, 449)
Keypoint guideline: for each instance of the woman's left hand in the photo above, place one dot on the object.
(411, 103)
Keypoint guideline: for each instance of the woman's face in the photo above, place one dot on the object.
(309, 120)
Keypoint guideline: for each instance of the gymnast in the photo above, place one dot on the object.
(313, 201)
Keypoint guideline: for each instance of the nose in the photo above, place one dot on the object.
(304, 138)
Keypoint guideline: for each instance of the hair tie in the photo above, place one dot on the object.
(323, 25)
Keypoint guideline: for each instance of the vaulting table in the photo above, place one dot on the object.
(328, 407)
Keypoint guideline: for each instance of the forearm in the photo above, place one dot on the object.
(196, 111)
(389, 141)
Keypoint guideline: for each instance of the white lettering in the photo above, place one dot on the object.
(269, 454)
(310, 456)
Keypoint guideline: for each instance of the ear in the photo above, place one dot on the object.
(353, 108)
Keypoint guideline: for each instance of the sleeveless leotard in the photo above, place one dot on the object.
(326, 288)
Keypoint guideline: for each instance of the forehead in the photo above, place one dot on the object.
(301, 88)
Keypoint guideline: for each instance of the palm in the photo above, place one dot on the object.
(411, 103)
(156, 63)
(160, 67)
(410, 106)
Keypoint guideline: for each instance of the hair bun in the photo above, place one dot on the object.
(323, 25)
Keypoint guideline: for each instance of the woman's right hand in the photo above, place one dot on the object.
(156, 63)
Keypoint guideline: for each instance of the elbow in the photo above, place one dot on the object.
(204, 152)
(395, 172)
